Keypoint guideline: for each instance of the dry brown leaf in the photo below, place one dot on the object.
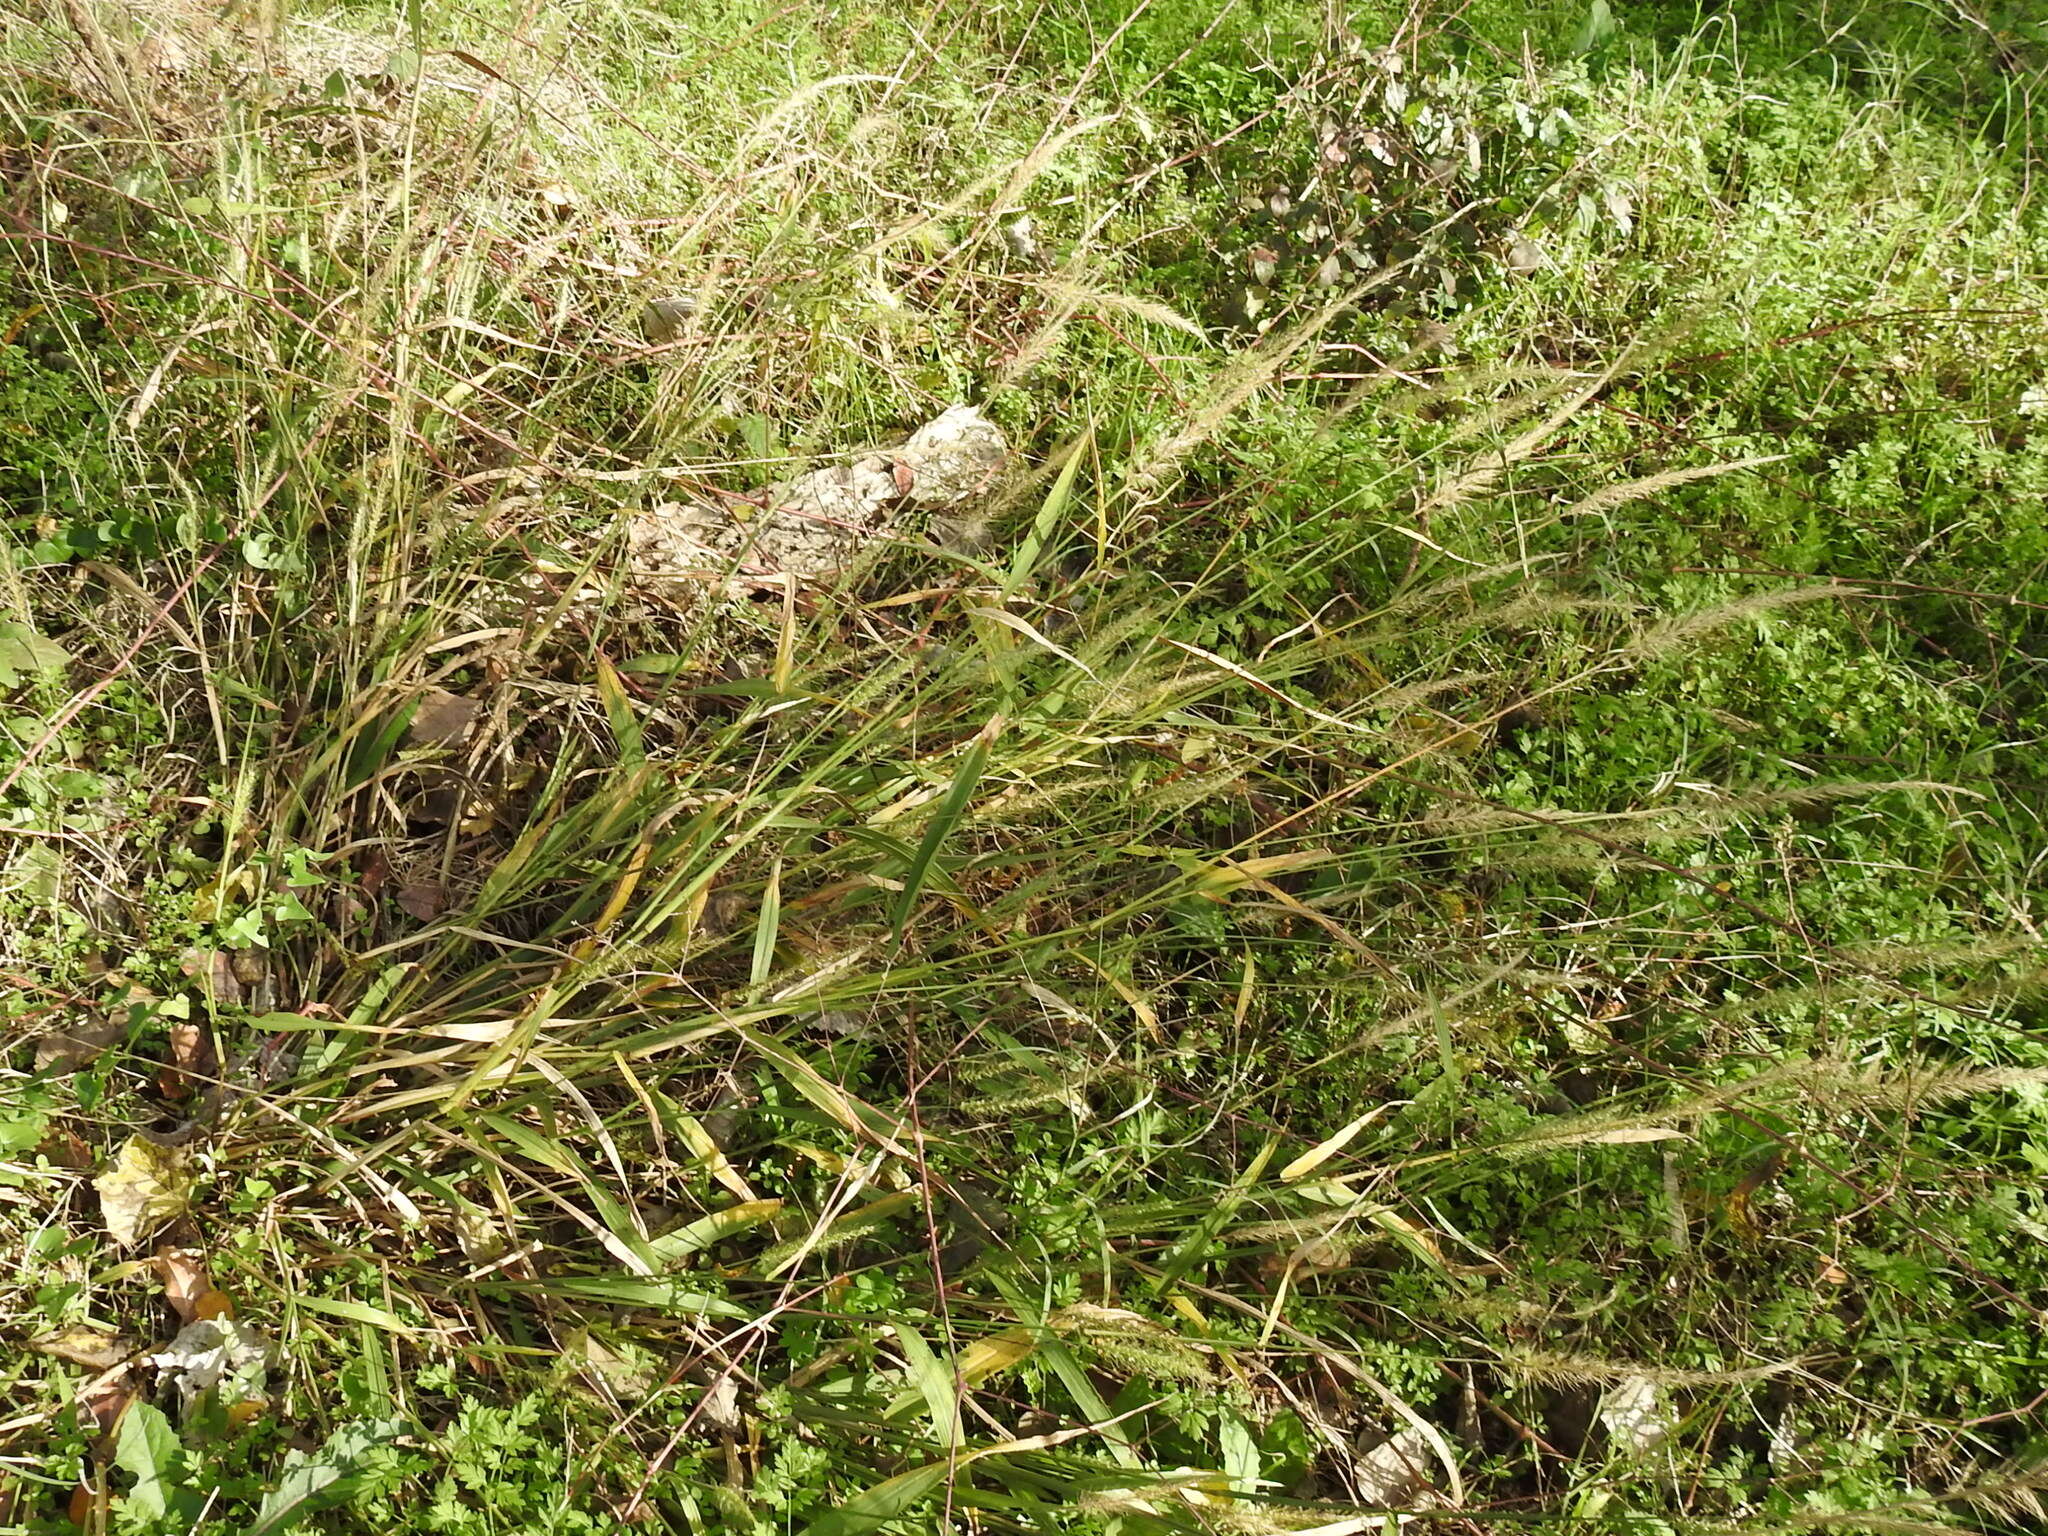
(65, 1148)
(192, 1059)
(93, 1348)
(147, 1186)
(214, 969)
(443, 719)
(107, 1397)
(437, 807)
(74, 1049)
(423, 899)
(188, 1287)
(477, 1230)
(1395, 1473)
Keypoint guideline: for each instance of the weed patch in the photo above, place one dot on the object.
(1420, 905)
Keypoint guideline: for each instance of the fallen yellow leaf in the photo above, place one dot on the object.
(147, 1186)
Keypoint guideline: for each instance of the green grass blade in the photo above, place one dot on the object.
(951, 809)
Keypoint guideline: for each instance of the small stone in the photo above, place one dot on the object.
(1020, 239)
(666, 319)
(813, 526)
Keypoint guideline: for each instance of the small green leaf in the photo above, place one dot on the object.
(21, 1127)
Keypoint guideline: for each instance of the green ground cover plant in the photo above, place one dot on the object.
(1426, 913)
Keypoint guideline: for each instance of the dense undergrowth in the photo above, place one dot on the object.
(1431, 908)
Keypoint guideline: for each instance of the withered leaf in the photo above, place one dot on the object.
(442, 719)
(217, 1353)
(66, 1148)
(147, 1186)
(214, 970)
(437, 807)
(423, 899)
(74, 1049)
(93, 1348)
(192, 1057)
(107, 1398)
(188, 1287)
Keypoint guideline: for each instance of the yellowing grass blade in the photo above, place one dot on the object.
(1024, 627)
(1329, 1146)
(766, 925)
(860, 1118)
(712, 1155)
(673, 1247)
(977, 1362)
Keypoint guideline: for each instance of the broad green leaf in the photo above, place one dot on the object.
(875, 1507)
(1240, 1452)
(1049, 513)
(24, 653)
(355, 1312)
(1598, 27)
(933, 1381)
(326, 1478)
(976, 1363)
(1073, 1376)
(146, 1447)
(618, 709)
